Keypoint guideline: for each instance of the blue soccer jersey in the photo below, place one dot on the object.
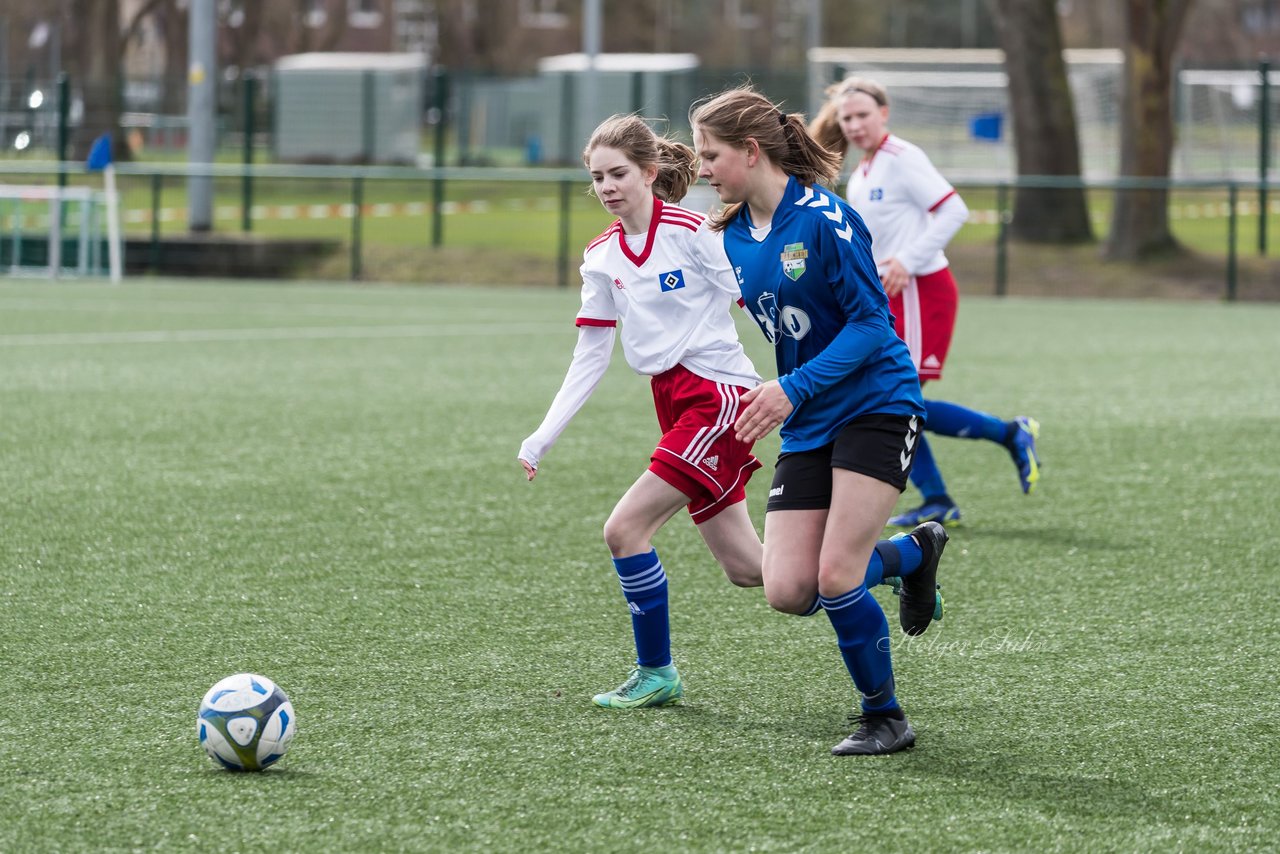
(810, 281)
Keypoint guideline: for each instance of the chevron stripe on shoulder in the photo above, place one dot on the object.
(821, 201)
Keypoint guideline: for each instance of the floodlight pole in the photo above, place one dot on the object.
(591, 28)
(202, 87)
(813, 41)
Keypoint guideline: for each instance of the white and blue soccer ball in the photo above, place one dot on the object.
(246, 722)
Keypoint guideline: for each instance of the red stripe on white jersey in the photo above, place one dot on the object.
(939, 202)
(681, 212)
(616, 228)
(680, 222)
(594, 321)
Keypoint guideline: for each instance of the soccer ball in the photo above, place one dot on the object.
(246, 722)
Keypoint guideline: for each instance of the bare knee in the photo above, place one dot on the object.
(790, 598)
(742, 572)
(838, 576)
(623, 537)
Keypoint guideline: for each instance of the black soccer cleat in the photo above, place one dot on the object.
(919, 589)
(876, 736)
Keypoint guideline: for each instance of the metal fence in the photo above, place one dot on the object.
(1228, 120)
(528, 226)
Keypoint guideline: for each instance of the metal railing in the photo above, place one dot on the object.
(423, 192)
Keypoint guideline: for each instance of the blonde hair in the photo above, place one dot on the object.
(675, 161)
(743, 113)
(825, 127)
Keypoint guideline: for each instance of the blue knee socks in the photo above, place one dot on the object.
(862, 632)
(644, 584)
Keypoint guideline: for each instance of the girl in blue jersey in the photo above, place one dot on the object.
(847, 396)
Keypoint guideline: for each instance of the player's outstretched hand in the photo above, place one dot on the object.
(529, 471)
(767, 407)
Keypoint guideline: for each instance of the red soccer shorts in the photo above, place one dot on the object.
(697, 453)
(924, 316)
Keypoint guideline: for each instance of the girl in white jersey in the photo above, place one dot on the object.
(661, 273)
(912, 213)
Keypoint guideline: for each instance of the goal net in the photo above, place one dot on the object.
(954, 105)
(54, 232)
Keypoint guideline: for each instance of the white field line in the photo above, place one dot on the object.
(309, 333)
(110, 305)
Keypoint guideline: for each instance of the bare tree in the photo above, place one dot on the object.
(1044, 125)
(1140, 225)
(94, 46)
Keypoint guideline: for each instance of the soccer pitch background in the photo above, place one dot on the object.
(319, 484)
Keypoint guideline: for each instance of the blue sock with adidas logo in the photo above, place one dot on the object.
(862, 632)
(644, 584)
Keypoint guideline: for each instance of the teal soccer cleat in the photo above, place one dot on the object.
(1022, 447)
(646, 687)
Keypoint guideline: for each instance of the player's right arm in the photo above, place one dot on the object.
(597, 322)
(590, 361)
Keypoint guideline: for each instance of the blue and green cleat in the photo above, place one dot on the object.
(646, 687)
(943, 512)
(939, 604)
(1022, 447)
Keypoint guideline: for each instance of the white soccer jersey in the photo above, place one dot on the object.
(673, 289)
(897, 191)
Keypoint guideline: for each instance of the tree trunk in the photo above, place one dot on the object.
(1044, 123)
(96, 60)
(1140, 223)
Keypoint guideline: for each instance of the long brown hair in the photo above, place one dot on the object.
(629, 134)
(825, 127)
(743, 113)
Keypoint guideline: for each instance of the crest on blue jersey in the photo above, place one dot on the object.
(672, 281)
(793, 257)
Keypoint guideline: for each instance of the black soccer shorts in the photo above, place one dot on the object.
(879, 446)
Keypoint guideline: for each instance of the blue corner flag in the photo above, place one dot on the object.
(986, 126)
(99, 154)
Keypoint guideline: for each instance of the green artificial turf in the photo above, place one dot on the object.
(319, 484)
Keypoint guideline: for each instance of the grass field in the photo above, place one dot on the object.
(319, 484)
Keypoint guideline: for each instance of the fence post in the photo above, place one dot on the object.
(1264, 152)
(369, 114)
(1231, 242)
(1002, 240)
(437, 186)
(566, 187)
(64, 123)
(246, 180)
(357, 206)
(156, 184)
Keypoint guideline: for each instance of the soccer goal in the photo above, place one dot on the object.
(955, 105)
(55, 232)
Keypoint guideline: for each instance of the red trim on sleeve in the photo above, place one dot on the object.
(939, 202)
(594, 321)
(615, 227)
(742, 303)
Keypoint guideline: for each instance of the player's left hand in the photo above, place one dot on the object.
(894, 277)
(767, 407)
